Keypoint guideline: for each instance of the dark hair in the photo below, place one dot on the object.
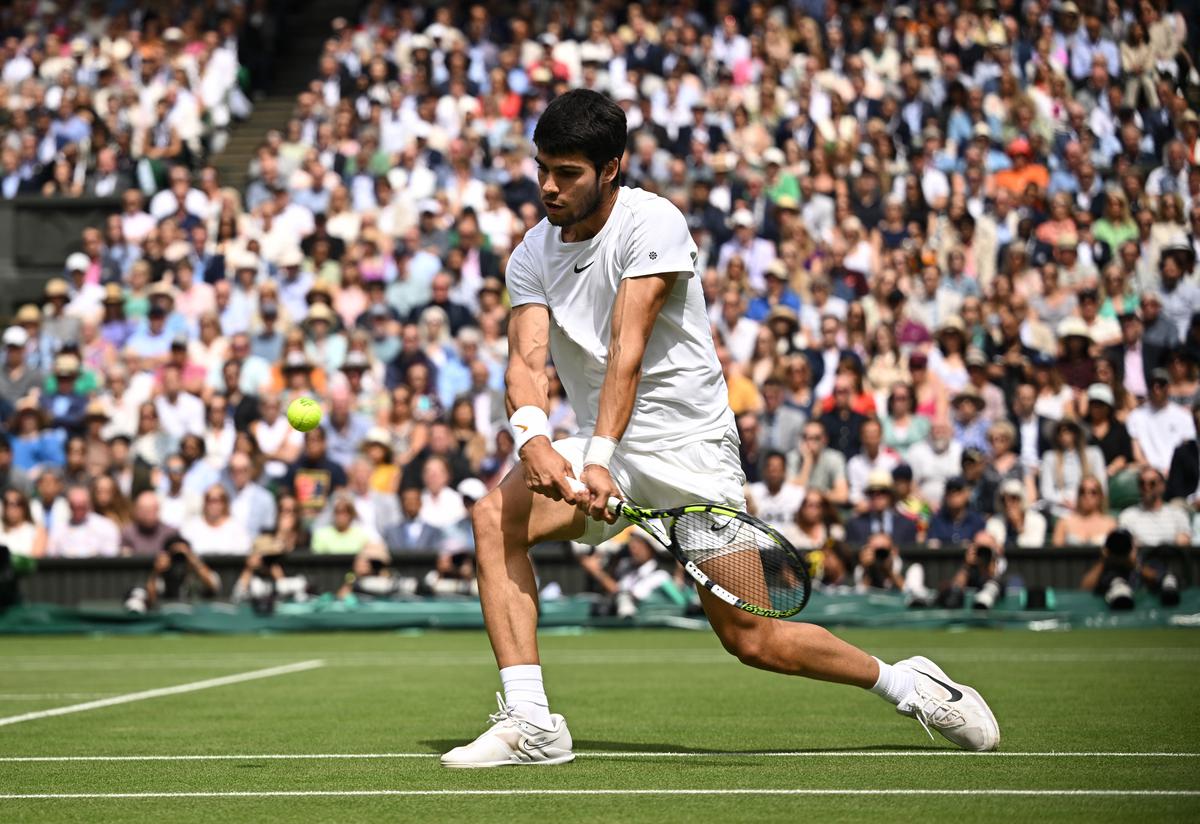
(585, 122)
(772, 454)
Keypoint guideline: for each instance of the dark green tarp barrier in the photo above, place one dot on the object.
(1072, 610)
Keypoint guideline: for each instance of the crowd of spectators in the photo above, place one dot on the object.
(948, 249)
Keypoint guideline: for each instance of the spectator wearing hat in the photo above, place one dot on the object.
(294, 282)
(57, 326)
(1015, 525)
(1105, 431)
(755, 252)
(777, 293)
(325, 346)
(881, 515)
(1024, 170)
(1103, 331)
(85, 297)
(1075, 364)
(970, 425)
(115, 328)
(66, 408)
(1159, 426)
(17, 378)
(956, 521)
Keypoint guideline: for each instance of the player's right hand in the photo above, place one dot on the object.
(546, 471)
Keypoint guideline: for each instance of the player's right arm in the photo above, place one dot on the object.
(528, 389)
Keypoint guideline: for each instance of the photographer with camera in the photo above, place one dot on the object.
(983, 564)
(879, 565)
(178, 575)
(1120, 571)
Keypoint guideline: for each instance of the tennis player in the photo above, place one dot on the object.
(606, 287)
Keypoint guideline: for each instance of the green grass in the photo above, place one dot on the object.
(632, 692)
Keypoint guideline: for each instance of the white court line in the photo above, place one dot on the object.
(607, 754)
(162, 691)
(560, 657)
(817, 791)
(47, 696)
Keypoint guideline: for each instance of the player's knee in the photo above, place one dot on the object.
(750, 645)
(485, 515)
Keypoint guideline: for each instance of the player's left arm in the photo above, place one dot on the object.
(638, 304)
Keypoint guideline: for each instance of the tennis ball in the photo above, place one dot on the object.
(304, 414)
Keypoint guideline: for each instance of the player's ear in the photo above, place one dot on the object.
(610, 173)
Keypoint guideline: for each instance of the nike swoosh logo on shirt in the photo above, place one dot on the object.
(521, 426)
(579, 269)
(955, 695)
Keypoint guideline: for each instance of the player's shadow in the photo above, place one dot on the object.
(441, 745)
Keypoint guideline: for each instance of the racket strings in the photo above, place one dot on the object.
(743, 558)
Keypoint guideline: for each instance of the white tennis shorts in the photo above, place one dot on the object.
(701, 471)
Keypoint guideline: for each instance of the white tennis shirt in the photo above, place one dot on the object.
(681, 397)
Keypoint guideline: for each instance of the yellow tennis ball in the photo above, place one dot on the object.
(304, 414)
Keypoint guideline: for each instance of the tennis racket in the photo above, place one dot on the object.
(735, 556)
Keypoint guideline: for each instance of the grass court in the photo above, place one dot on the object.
(1096, 725)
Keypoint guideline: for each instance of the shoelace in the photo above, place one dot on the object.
(505, 713)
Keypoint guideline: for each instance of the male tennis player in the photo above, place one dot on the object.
(606, 286)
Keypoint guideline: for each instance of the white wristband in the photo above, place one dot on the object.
(528, 422)
(599, 451)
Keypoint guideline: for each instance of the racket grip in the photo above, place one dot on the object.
(614, 504)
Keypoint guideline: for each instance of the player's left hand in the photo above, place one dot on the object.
(600, 487)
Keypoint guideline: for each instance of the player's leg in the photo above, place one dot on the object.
(786, 647)
(917, 686)
(507, 522)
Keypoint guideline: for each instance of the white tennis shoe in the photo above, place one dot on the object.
(512, 741)
(955, 710)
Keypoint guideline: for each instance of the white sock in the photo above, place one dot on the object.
(893, 684)
(525, 693)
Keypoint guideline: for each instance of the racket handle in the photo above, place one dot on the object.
(614, 504)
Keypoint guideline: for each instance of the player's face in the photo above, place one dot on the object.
(570, 187)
